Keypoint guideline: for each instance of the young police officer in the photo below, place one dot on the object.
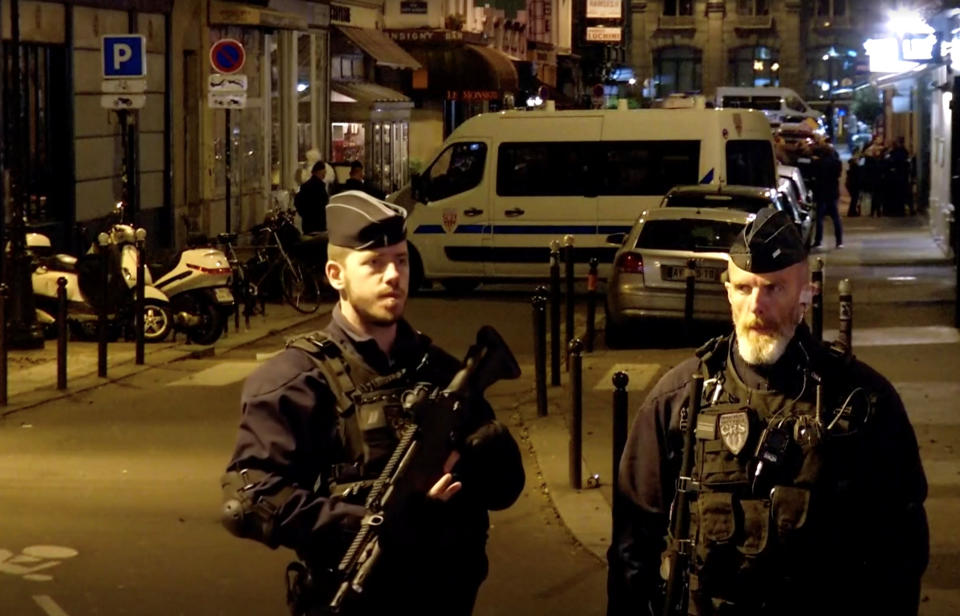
(326, 413)
(806, 490)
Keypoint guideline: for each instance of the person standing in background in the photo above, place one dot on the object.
(311, 200)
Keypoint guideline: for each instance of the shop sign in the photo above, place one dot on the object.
(435, 36)
(603, 9)
(469, 96)
(340, 14)
(409, 7)
(602, 34)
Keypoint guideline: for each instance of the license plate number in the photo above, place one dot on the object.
(224, 296)
(702, 274)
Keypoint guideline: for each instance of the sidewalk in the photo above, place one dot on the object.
(32, 375)
(895, 244)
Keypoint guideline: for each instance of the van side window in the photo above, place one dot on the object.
(646, 167)
(741, 102)
(795, 104)
(750, 162)
(766, 103)
(554, 169)
(458, 169)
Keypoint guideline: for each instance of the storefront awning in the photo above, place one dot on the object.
(358, 101)
(380, 47)
(502, 65)
(467, 68)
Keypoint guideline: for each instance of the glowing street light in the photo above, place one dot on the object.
(905, 21)
(758, 65)
(775, 67)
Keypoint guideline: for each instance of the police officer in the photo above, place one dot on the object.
(806, 490)
(323, 414)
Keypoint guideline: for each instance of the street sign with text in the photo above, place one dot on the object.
(123, 101)
(227, 83)
(227, 100)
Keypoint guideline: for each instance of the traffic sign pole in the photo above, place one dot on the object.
(228, 145)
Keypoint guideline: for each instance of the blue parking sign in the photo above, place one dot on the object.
(124, 56)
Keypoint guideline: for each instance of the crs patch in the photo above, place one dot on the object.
(448, 218)
(734, 430)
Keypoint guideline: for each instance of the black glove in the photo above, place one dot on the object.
(491, 467)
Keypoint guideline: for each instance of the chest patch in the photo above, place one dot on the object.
(734, 430)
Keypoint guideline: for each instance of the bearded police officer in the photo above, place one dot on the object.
(323, 414)
(805, 490)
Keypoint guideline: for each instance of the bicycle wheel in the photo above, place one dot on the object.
(299, 288)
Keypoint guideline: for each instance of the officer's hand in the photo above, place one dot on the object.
(446, 487)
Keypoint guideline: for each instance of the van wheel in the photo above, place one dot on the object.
(459, 286)
(416, 269)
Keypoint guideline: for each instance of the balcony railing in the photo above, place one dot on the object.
(678, 22)
(753, 22)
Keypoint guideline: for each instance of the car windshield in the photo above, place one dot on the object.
(700, 200)
(696, 235)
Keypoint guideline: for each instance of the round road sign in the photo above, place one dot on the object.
(227, 56)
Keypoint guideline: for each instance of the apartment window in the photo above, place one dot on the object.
(831, 8)
(753, 7)
(678, 7)
(755, 66)
(677, 69)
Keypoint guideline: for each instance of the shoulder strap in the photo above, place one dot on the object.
(713, 354)
(331, 360)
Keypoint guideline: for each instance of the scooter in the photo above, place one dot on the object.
(200, 293)
(85, 287)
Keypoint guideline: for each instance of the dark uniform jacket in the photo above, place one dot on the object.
(434, 556)
(311, 203)
(861, 546)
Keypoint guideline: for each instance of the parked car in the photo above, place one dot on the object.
(803, 217)
(750, 199)
(803, 194)
(650, 267)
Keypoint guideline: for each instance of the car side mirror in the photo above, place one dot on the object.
(616, 238)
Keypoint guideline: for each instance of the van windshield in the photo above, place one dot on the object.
(688, 234)
(750, 163)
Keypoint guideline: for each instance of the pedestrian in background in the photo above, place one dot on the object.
(853, 180)
(311, 200)
(356, 181)
(826, 190)
(807, 492)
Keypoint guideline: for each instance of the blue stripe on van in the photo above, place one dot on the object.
(608, 229)
(707, 178)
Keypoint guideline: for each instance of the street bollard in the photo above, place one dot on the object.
(555, 313)
(61, 333)
(3, 344)
(620, 410)
(102, 239)
(575, 352)
(592, 303)
(816, 301)
(540, 351)
(568, 256)
(139, 307)
(845, 328)
(691, 280)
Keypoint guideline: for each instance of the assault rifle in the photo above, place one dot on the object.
(680, 547)
(437, 417)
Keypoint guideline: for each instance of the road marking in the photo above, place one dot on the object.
(898, 336)
(218, 375)
(48, 605)
(18, 564)
(640, 376)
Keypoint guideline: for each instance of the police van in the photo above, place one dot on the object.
(505, 185)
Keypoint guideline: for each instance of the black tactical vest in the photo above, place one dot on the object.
(758, 469)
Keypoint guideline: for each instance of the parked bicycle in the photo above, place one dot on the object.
(282, 257)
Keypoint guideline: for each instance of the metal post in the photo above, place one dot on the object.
(125, 169)
(226, 164)
(691, 279)
(568, 261)
(3, 344)
(845, 329)
(139, 306)
(555, 313)
(575, 352)
(540, 351)
(816, 302)
(620, 411)
(102, 239)
(61, 333)
(592, 302)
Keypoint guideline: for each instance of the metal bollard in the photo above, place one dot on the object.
(540, 351)
(575, 352)
(592, 303)
(845, 328)
(620, 411)
(4, 290)
(139, 307)
(691, 280)
(61, 333)
(816, 302)
(555, 313)
(568, 256)
(102, 312)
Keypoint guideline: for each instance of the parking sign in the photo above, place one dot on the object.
(124, 56)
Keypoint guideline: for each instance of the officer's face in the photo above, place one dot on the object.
(766, 309)
(375, 283)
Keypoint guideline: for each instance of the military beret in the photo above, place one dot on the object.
(359, 221)
(769, 242)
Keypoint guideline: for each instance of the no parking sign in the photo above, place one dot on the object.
(227, 56)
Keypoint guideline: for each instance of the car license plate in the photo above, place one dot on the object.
(703, 274)
(224, 296)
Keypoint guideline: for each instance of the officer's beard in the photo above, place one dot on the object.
(762, 342)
